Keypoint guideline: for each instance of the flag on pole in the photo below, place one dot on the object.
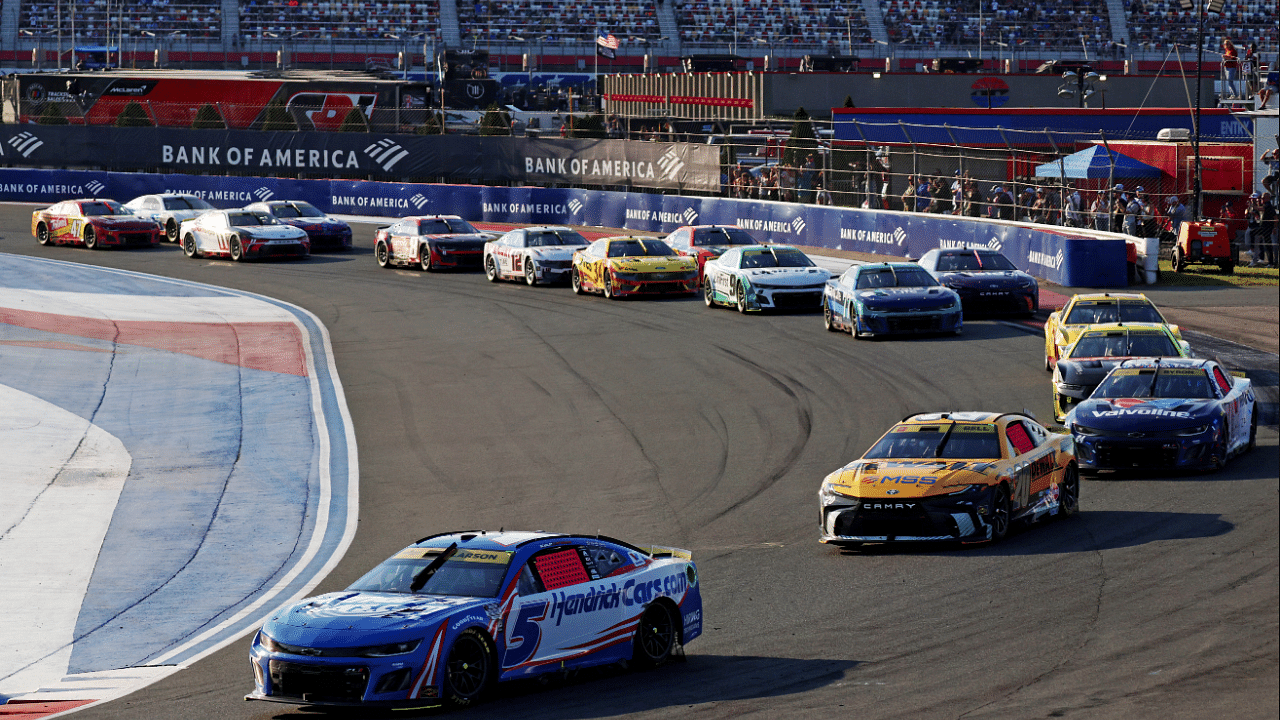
(607, 45)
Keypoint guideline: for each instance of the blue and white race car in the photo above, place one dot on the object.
(872, 299)
(444, 619)
(1158, 413)
(764, 277)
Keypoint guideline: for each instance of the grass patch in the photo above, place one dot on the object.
(1212, 275)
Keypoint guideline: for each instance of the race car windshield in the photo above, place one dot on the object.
(952, 441)
(889, 277)
(722, 236)
(1091, 312)
(438, 571)
(248, 218)
(444, 226)
(186, 203)
(639, 248)
(1177, 383)
(1124, 345)
(554, 238)
(974, 260)
(775, 257)
(292, 210)
(91, 209)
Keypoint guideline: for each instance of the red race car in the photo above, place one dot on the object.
(96, 224)
(707, 242)
(430, 242)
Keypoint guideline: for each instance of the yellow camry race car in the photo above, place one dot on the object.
(622, 266)
(964, 476)
(1082, 311)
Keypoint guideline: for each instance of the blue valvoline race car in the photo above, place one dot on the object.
(444, 619)
(889, 298)
(1156, 413)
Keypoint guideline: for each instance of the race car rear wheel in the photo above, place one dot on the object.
(91, 238)
(655, 637)
(42, 234)
(491, 269)
(1253, 430)
(382, 254)
(171, 230)
(1069, 492)
(237, 251)
(741, 293)
(708, 293)
(189, 246)
(1000, 512)
(575, 282)
(530, 272)
(468, 669)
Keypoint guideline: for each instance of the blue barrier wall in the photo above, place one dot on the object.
(1074, 258)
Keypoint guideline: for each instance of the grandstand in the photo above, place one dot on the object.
(1039, 30)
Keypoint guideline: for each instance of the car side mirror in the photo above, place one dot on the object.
(1186, 348)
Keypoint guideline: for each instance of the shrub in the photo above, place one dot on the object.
(207, 118)
(133, 115)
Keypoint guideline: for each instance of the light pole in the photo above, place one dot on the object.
(1213, 6)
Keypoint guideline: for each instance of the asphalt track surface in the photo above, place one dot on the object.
(487, 406)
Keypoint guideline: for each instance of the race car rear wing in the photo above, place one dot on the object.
(658, 551)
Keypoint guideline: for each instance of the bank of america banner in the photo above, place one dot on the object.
(465, 158)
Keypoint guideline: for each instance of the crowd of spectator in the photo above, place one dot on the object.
(1161, 23)
(1016, 23)
(805, 23)
(553, 21)
(358, 19)
(187, 19)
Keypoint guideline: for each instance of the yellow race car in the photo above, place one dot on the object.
(625, 265)
(1081, 311)
(965, 476)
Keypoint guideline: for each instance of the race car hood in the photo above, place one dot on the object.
(1002, 279)
(801, 276)
(1143, 414)
(893, 298)
(181, 215)
(652, 264)
(554, 252)
(901, 479)
(371, 612)
(1087, 371)
(121, 222)
(271, 232)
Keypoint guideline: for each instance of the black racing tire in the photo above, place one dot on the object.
(1069, 492)
(469, 669)
(855, 325)
(171, 231)
(189, 246)
(90, 238)
(1253, 430)
(1220, 449)
(607, 284)
(1048, 362)
(491, 269)
(828, 317)
(655, 638)
(530, 273)
(1001, 510)
(236, 249)
(575, 281)
(382, 254)
(424, 258)
(741, 299)
(42, 234)
(708, 293)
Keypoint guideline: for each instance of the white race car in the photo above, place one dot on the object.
(764, 277)
(536, 254)
(168, 209)
(242, 235)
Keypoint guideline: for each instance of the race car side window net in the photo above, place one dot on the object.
(560, 568)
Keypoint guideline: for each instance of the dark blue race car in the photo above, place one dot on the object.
(1165, 413)
(887, 299)
(985, 280)
(444, 619)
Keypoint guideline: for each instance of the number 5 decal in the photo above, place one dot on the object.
(525, 634)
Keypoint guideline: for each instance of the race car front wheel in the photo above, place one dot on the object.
(575, 281)
(742, 298)
(1000, 511)
(608, 286)
(424, 259)
(468, 670)
(530, 272)
(237, 251)
(491, 269)
(91, 238)
(1069, 492)
(42, 234)
(1253, 429)
(708, 293)
(828, 317)
(189, 246)
(655, 636)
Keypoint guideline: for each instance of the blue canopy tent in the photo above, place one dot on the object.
(1096, 162)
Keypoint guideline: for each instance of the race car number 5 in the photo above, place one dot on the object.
(525, 634)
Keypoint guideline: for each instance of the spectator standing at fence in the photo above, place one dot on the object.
(1178, 214)
(958, 197)
(857, 183)
(972, 199)
(786, 183)
(1074, 210)
(805, 178)
(1249, 69)
(1039, 210)
(1101, 212)
(821, 196)
(1133, 213)
(909, 195)
(1119, 203)
(1230, 66)
(1262, 225)
(924, 196)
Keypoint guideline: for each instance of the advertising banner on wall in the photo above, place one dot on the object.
(459, 158)
(1063, 256)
